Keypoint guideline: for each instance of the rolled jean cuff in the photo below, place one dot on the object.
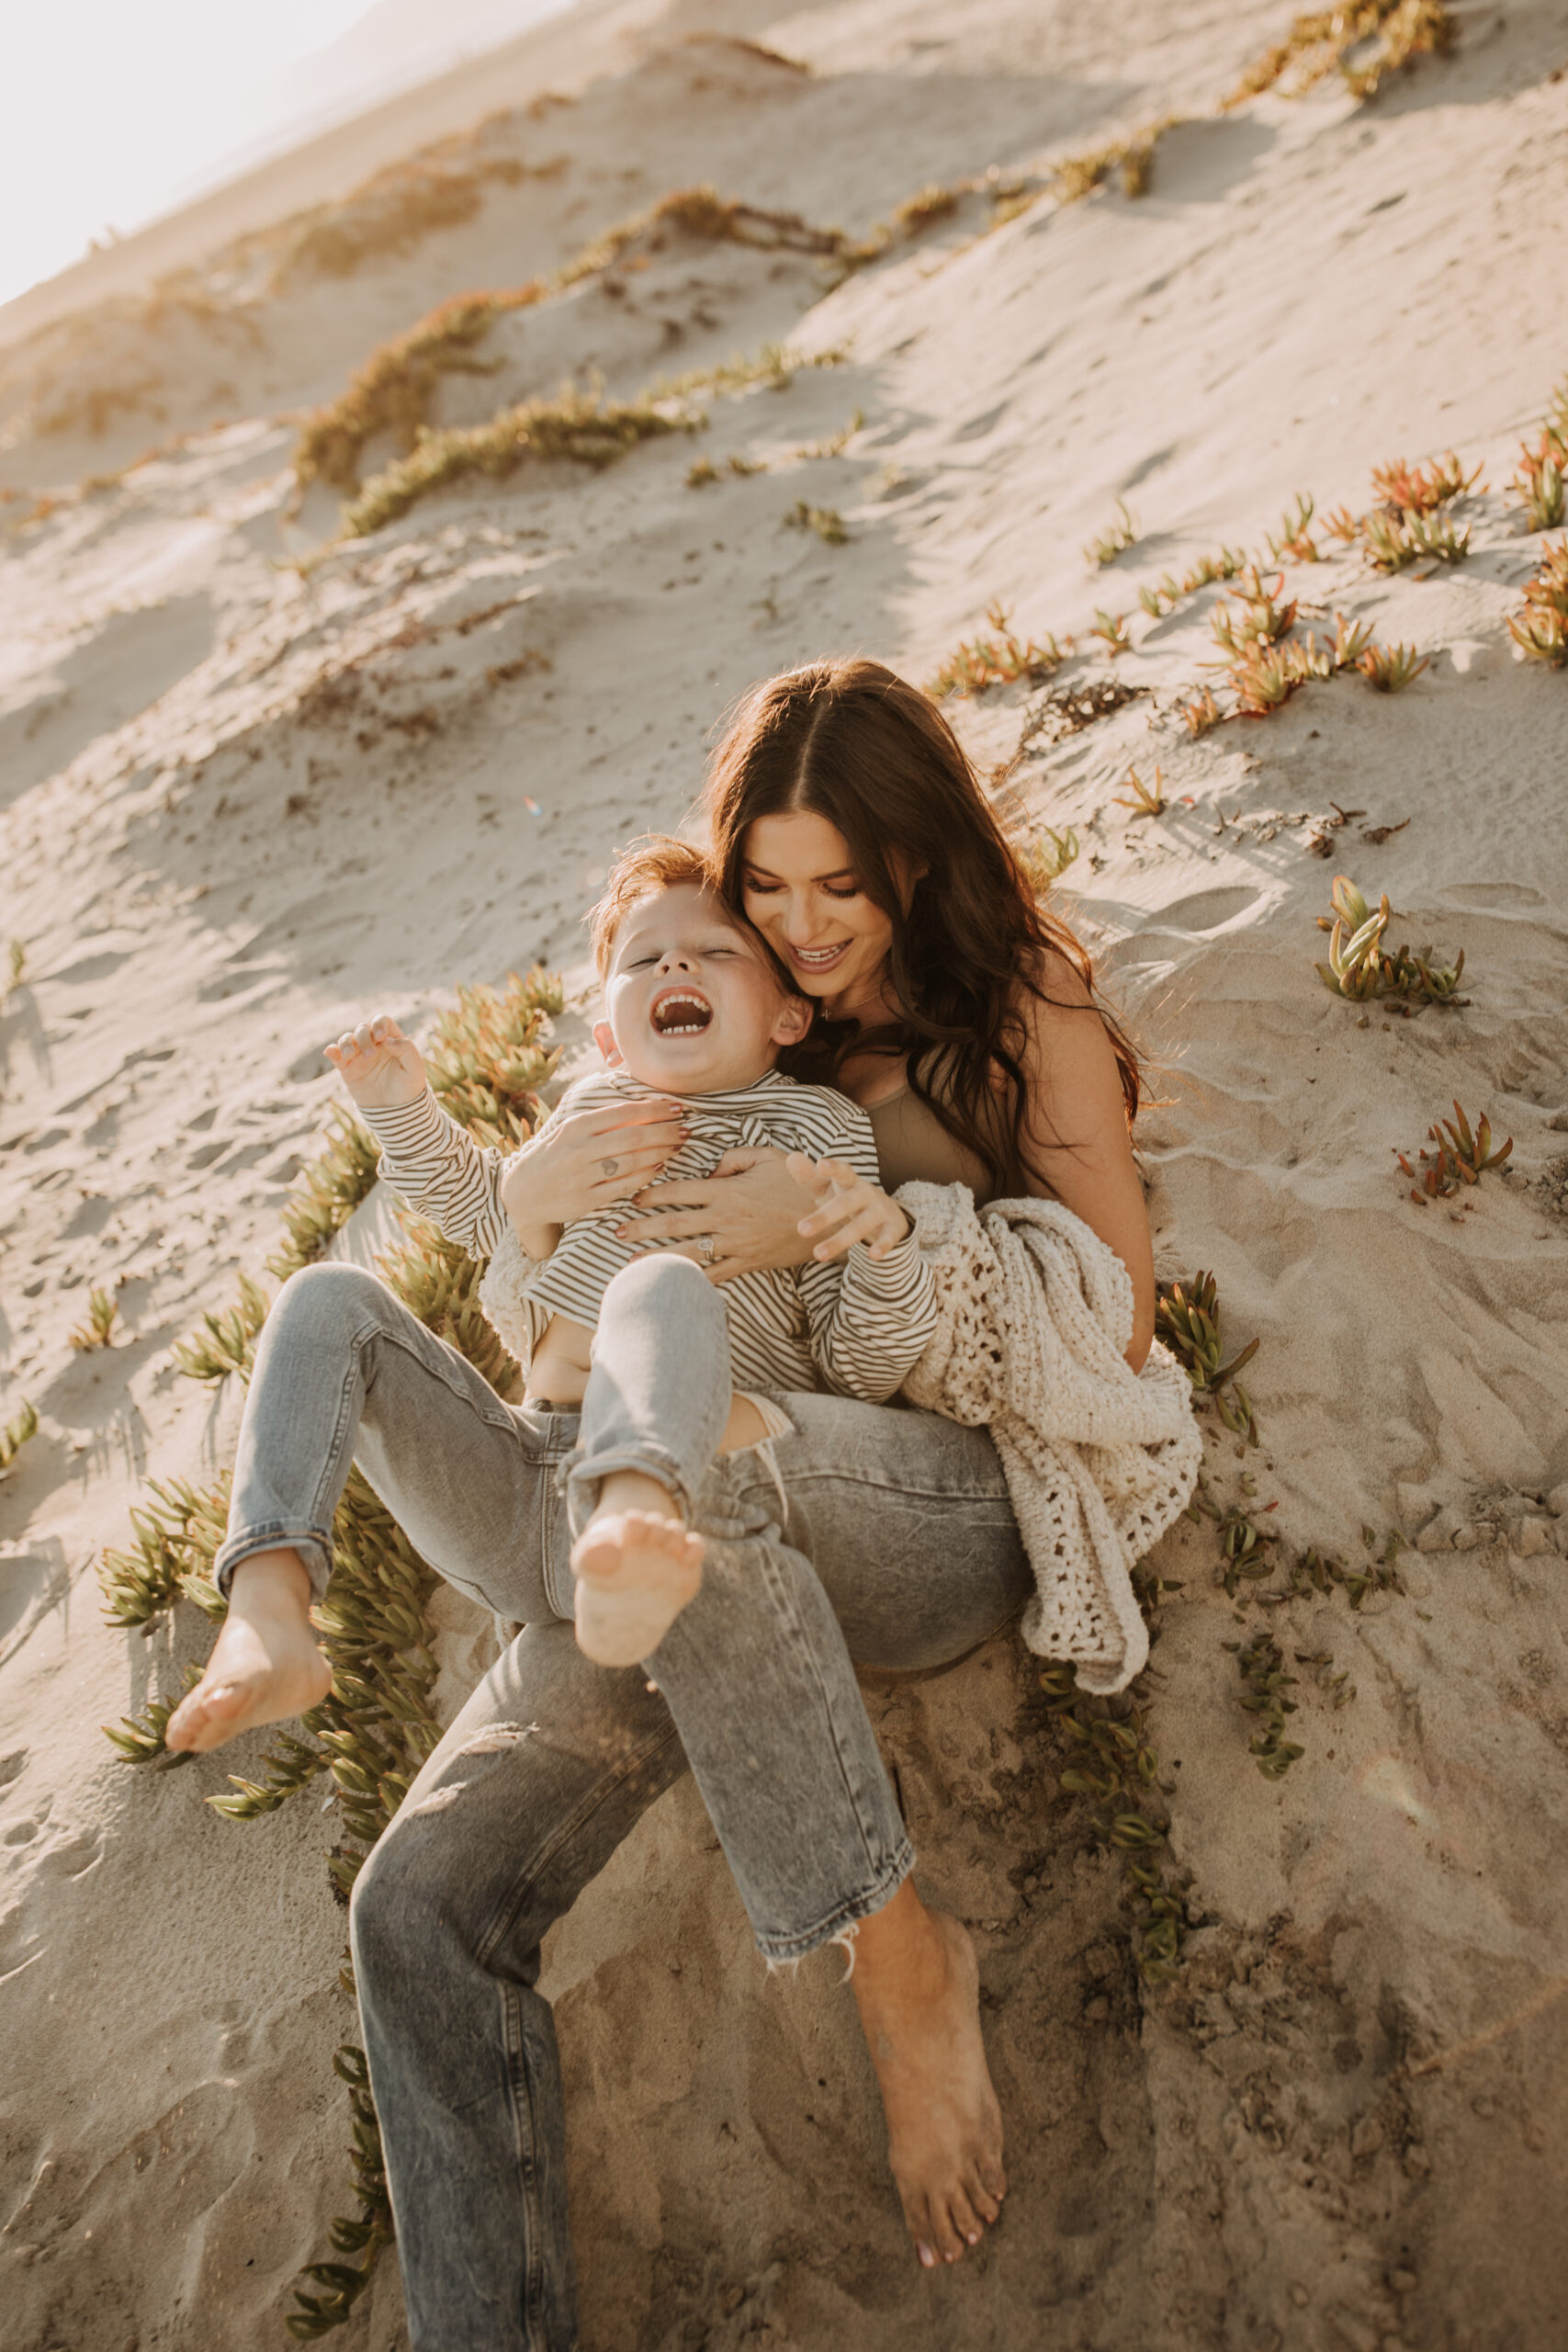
(647, 1459)
(314, 1545)
(845, 1915)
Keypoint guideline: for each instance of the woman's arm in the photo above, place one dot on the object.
(589, 1154)
(1076, 1134)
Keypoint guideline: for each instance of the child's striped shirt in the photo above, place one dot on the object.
(854, 1325)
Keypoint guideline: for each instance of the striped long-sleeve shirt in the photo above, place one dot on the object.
(854, 1325)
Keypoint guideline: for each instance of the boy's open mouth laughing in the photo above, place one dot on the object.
(680, 1013)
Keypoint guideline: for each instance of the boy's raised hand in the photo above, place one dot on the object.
(849, 1208)
(382, 1070)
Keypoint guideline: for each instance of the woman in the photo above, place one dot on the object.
(848, 824)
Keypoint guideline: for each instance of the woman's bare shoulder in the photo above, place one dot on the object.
(1070, 1065)
(1062, 1022)
(1062, 986)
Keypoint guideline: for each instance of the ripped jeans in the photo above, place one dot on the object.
(897, 1547)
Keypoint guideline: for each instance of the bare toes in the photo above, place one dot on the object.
(947, 2240)
(214, 1712)
(986, 2205)
(964, 2218)
(918, 2221)
(199, 1711)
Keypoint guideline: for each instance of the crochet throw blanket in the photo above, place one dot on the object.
(1034, 1313)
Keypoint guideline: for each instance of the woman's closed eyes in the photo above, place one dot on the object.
(828, 889)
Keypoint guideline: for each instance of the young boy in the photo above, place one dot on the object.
(694, 1009)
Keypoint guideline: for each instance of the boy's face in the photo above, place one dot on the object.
(694, 1004)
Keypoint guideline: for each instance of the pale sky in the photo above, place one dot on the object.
(118, 110)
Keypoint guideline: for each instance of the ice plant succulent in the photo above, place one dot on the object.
(1360, 968)
(1112, 542)
(100, 1319)
(1459, 1157)
(1113, 1765)
(139, 1738)
(1391, 668)
(1169, 591)
(1433, 535)
(1201, 713)
(1265, 662)
(177, 1529)
(1186, 1319)
(1047, 857)
(325, 1195)
(1543, 469)
(1541, 631)
(227, 1341)
(1142, 800)
(1351, 639)
(1001, 660)
(1262, 1667)
(1255, 619)
(1390, 546)
(1294, 538)
(1545, 503)
(23, 1424)
(1264, 676)
(1416, 489)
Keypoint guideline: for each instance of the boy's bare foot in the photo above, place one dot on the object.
(268, 1663)
(918, 1988)
(637, 1567)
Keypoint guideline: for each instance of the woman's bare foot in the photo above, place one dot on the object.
(637, 1567)
(918, 1989)
(268, 1663)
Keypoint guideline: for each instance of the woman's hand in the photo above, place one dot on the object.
(750, 1209)
(589, 1161)
(849, 1209)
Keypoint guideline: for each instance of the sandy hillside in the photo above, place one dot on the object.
(255, 783)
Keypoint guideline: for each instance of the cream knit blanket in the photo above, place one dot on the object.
(1033, 1314)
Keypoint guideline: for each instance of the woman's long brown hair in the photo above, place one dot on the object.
(850, 741)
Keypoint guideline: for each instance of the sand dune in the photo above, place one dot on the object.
(254, 780)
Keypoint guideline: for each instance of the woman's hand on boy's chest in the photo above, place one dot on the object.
(750, 1208)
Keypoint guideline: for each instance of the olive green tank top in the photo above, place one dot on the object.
(912, 1146)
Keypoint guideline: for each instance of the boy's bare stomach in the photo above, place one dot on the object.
(558, 1376)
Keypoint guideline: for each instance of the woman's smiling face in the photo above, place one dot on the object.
(801, 891)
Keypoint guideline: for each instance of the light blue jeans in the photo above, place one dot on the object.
(888, 1538)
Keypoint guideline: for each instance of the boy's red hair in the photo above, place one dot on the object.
(656, 861)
